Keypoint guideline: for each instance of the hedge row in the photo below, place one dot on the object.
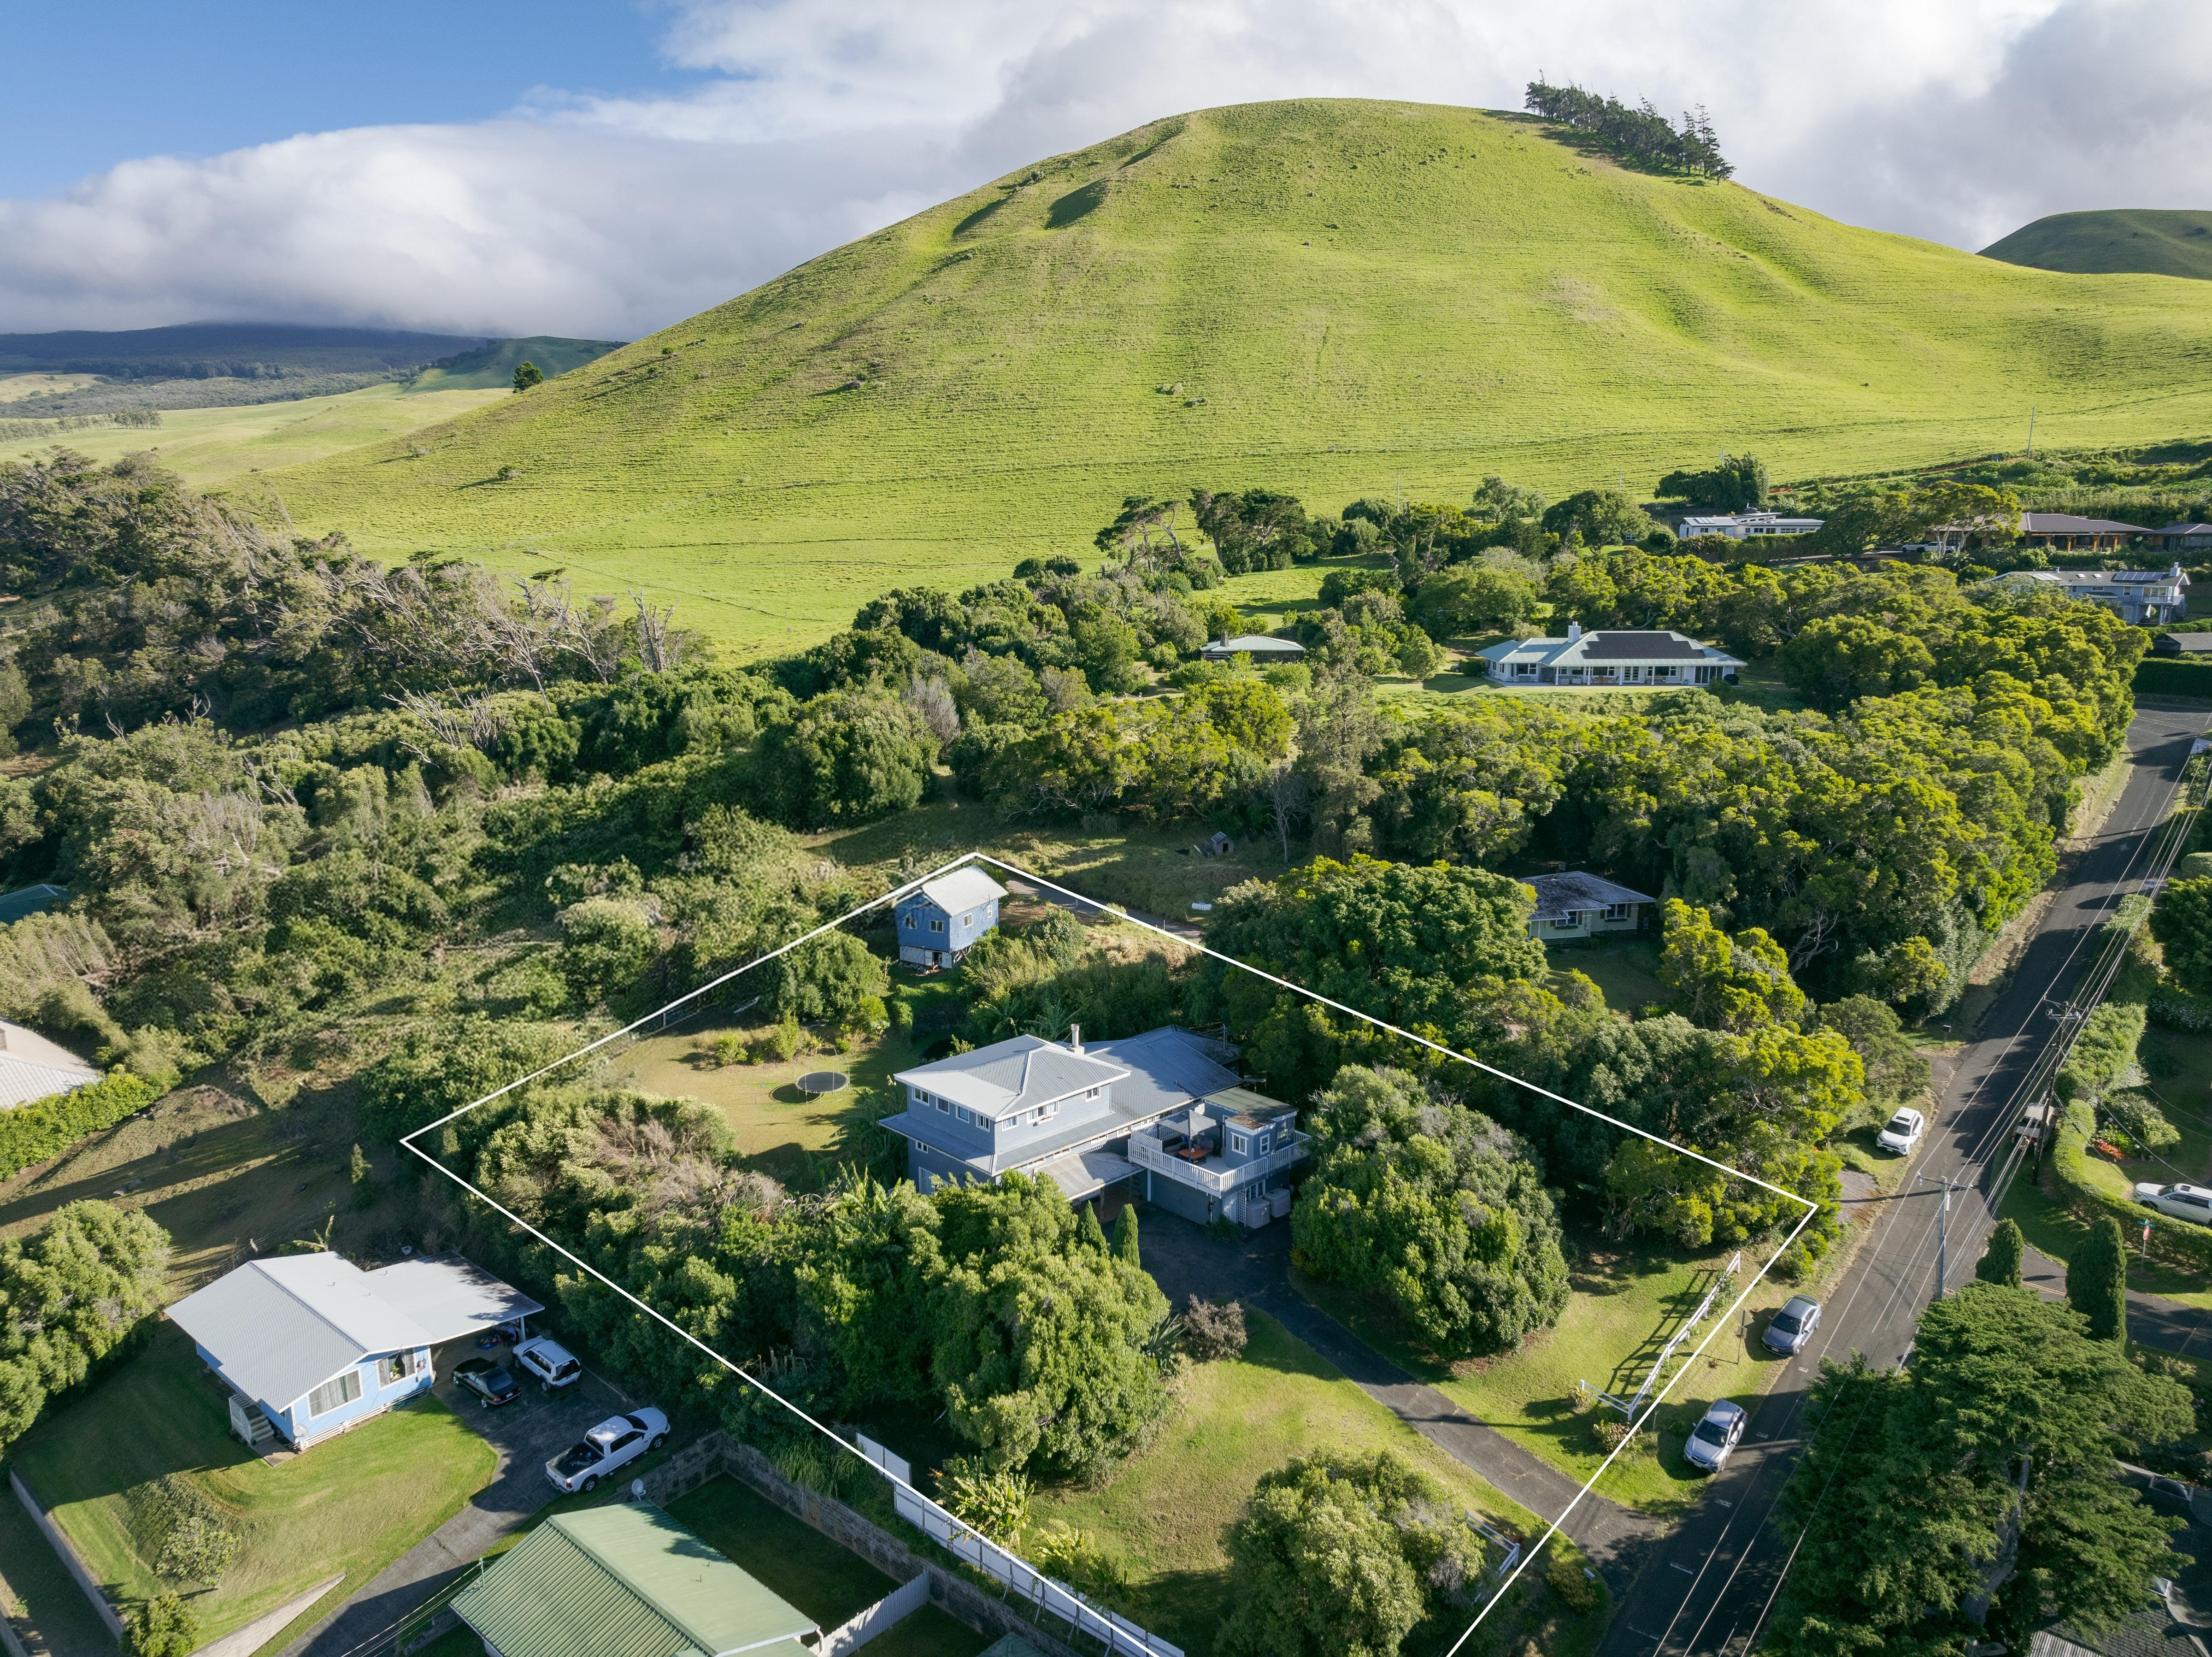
(2175, 1240)
(47, 1127)
(2171, 676)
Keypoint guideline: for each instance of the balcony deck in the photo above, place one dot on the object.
(1217, 1174)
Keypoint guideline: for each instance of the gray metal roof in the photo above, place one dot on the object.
(1167, 1067)
(2064, 523)
(1614, 646)
(962, 890)
(1083, 1173)
(33, 1068)
(1254, 645)
(2186, 644)
(279, 1328)
(1012, 1075)
(1559, 895)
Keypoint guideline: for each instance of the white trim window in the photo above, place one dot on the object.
(1238, 1142)
(334, 1394)
(936, 923)
(396, 1367)
(1620, 912)
(966, 921)
(962, 1111)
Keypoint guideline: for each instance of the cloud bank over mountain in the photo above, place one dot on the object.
(808, 122)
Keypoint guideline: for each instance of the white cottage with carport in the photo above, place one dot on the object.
(311, 1345)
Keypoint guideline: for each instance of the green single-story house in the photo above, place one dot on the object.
(625, 1578)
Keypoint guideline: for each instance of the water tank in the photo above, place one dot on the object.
(1278, 1203)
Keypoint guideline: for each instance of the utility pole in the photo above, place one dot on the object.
(2030, 432)
(1942, 1241)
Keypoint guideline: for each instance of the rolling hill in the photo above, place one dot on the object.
(494, 362)
(2114, 239)
(1324, 295)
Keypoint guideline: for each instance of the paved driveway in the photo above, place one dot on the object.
(527, 1434)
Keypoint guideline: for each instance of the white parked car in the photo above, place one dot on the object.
(2182, 1201)
(1711, 1439)
(615, 1442)
(551, 1365)
(1903, 1133)
(1788, 1329)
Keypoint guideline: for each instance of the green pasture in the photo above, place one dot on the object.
(1342, 298)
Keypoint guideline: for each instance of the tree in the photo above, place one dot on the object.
(1088, 1231)
(829, 979)
(2097, 1280)
(1338, 1556)
(2104, 1053)
(1126, 1248)
(1724, 983)
(2181, 921)
(526, 374)
(849, 756)
(1434, 1205)
(2001, 1261)
(1603, 517)
(164, 1626)
(70, 1294)
(1914, 1477)
(447, 1063)
(1839, 659)
(606, 944)
(1895, 1070)
(1473, 599)
(1738, 483)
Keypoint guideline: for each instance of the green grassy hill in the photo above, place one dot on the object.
(494, 362)
(2114, 239)
(1320, 295)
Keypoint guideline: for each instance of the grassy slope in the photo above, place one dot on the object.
(2111, 240)
(211, 448)
(491, 366)
(354, 1504)
(1357, 290)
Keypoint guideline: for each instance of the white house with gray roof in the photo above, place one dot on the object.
(1161, 1108)
(1748, 527)
(1610, 659)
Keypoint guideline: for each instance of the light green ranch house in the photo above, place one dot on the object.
(1579, 906)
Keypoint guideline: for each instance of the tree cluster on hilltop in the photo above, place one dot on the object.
(1640, 134)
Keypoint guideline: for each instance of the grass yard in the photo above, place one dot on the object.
(1626, 968)
(828, 1582)
(354, 1504)
(1162, 1515)
(1627, 1302)
(210, 448)
(1269, 295)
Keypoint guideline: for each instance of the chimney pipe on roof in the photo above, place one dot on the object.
(1574, 632)
(1075, 1038)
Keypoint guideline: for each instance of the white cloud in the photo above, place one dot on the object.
(819, 121)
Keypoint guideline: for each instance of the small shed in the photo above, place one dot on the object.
(939, 921)
(625, 1578)
(1576, 905)
(1261, 646)
(311, 1345)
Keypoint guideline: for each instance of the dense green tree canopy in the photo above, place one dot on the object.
(1435, 1205)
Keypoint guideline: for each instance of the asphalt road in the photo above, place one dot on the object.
(1707, 1585)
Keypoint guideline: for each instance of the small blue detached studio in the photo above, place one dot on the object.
(939, 921)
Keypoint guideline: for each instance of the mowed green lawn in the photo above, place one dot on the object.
(1341, 298)
(1163, 1513)
(1627, 1301)
(353, 1504)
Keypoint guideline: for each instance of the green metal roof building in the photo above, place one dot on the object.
(626, 1578)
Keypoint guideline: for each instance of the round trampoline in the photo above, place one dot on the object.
(817, 1083)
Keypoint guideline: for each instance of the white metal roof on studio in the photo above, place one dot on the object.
(1013, 1075)
(962, 890)
(33, 1068)
(1611, 647)
(1254, 645)
(279, 1328)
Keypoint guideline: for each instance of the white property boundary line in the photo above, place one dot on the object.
(901, 890)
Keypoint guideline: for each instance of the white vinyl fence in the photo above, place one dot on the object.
(1118, 1635)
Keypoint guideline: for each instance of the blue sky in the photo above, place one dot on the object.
(87, 86)
(487, 166)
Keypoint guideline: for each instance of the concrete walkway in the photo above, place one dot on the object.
(1256, 1270)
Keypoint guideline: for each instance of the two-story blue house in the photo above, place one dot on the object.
(1161, 1108)
(310, 1344)
(940, 919)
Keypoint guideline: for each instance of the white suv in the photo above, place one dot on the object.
(615, 1442)
(1903, 1133)
(2182, 1201)
(550, 1364)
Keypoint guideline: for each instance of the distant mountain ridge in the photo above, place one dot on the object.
(2114, 240)
(233, 351)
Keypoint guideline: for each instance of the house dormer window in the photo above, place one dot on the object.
(1239, 1142)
